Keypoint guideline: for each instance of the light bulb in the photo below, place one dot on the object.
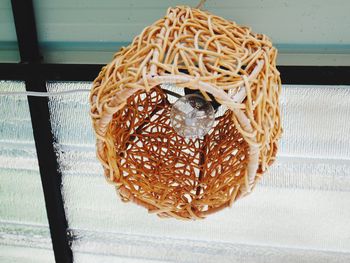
(192, 116)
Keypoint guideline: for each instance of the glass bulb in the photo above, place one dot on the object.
(192, 116)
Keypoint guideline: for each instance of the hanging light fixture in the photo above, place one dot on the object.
(196, 153)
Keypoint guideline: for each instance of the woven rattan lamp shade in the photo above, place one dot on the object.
(142, 155)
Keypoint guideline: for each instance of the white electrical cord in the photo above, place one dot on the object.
(41, 94)
(60, 93)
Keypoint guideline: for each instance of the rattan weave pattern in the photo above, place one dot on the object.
(143, 156)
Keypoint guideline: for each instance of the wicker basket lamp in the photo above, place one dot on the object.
(144, 157)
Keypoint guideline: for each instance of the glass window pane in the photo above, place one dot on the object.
(118, 21)
(298, 211)
(17, 254)
(8, 40)
(91, 31)
(23, 220)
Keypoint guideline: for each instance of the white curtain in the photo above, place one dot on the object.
(299, 212)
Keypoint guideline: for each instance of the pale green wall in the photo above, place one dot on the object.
(8, 45)
(88, 31)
